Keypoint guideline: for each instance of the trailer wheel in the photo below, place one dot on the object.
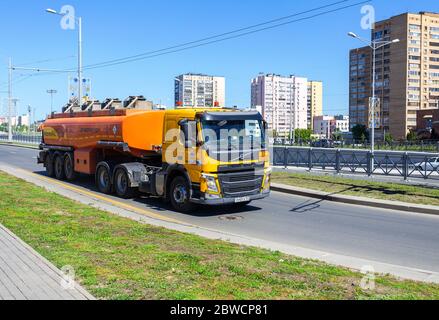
(179, 194)
(59, 166)
(69, 167)
(103, 180)
(122, 185)
(50, 166)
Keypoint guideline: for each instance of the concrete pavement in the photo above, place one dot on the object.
(400, 243)
(25, 275)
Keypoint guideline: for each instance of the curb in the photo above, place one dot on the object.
(6, 144)
(359, 201)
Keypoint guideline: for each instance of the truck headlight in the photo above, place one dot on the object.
(211, 183)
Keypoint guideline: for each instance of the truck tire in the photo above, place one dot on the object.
(50, 166)
(179, 194)
(122, 185)
(69, 167)
(103, 180)
(59, 166)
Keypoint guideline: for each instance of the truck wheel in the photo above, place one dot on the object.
(59, 166)
(69, 167)
(122, 185)
(179, 195)
(50, 166)
(103, 180)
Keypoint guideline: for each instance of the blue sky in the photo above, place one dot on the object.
(317, 49)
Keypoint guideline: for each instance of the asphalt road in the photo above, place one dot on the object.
(386, 236)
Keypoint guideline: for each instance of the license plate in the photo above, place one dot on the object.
(243, 199)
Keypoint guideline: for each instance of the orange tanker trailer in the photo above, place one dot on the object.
(126, 152)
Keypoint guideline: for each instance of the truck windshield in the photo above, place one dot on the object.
(229, 135)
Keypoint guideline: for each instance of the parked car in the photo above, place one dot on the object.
(429, 165)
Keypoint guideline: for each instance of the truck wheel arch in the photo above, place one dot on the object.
(173, 172)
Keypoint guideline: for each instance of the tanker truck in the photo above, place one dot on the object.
(187, 157)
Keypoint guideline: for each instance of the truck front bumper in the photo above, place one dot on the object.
(226, 201)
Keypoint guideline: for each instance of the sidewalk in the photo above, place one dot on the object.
(25, 275)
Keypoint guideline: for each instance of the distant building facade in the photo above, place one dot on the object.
(282, 100)
(198, 90)
(360, 86)
(326, 126)
(407, 73)
(315, 101)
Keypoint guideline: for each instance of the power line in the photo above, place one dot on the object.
(46, 61)
(187, 46)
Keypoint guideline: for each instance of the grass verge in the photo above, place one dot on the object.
(360, 188)
(116, 258)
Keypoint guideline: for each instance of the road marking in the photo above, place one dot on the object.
(119, 204)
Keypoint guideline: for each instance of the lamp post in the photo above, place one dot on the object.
(52, 93)
(374, 45)
(10, 101)
(293, 111)
(78, 21)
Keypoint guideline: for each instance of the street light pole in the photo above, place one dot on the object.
(51, 92)
(10, 101)
(292, 112)
(80, 94)
(372, 147)
(78, 21)
(374, 45)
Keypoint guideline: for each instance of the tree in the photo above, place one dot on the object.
(303, 134)
(412, 136)
(388, 138)
(360, 133)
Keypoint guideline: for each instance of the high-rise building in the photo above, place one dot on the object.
(360, 87)
(315, 101)
(198, 90)
(283, 101)
(407, 73)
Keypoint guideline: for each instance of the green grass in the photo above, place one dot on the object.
(361, 188)
(116, 258)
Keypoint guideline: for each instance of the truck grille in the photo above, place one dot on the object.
(234, 185)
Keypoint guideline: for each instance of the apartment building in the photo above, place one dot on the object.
(282, 100)
(199, 90)
(315, 101)
(326, 126)
(360, 86)
(407, 73)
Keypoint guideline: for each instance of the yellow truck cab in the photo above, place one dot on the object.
(217, 167)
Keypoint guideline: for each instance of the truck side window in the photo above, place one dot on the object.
(189, 130)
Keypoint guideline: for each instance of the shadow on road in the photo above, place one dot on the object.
(310, 205)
